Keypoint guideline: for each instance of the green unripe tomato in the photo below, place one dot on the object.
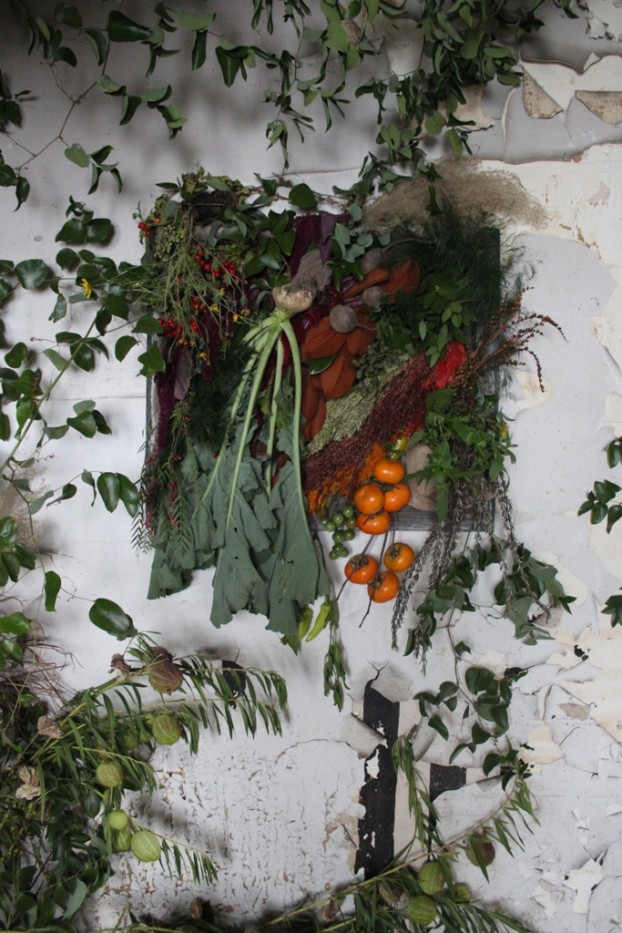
(109, 774)
(118, 819)
(328, 524)
(348, 511)
(338, 518)
(339, 537)
(146, 846)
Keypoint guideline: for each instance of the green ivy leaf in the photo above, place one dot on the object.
(199, 50)
(108, 616)
(129, 494)
(147, 325)
(123, 29)
(302, 196)
(76, 154)
(99, 231)
(33, 273)
(109, 488)
(98, 43)
(15, 623)
(613, 608)
(17, 355)
(35, 504)
(152, 362)
(51, 589)
(231, 61)
(123, 346)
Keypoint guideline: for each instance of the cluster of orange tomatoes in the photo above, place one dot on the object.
(374, 503)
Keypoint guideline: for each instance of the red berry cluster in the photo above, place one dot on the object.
(217, 271)
(144, 227)
(170, 328)
(198, 306)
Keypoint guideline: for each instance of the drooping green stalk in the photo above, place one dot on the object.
(263, 355)
(274, 408)
(288, 330)
(257, 337)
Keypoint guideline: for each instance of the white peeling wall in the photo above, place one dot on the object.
(280, 815)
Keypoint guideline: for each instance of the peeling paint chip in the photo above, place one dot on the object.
(583, 880)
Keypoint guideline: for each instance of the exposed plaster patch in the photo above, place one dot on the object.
(472, 110)
(561, 84)
(533, 393)
(538, 104)
(540, 748)
(606, 105)
(604, 18)
(571, 584)
(583, 880)
(601, 196)
(575, 711)
(607, 330)
(612, 414)
(607, 547)
(604, 693)
(404, 45)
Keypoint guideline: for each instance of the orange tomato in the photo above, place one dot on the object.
(361, 568)
(398, 557)
(387, 470)
(369, 498)
(396, 497)
(384, 587)
(377, 524)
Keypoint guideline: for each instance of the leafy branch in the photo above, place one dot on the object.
(602, 503)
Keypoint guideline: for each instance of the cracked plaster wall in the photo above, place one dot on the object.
(281, 814)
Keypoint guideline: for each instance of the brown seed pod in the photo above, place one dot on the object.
(163, 674)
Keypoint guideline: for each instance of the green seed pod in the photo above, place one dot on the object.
(166, 728)
(122, 839)
(146, 846)
(118, 819)
(420, 909)
(462, 893)
(389, 894)
(431, 878)
(109, 774)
